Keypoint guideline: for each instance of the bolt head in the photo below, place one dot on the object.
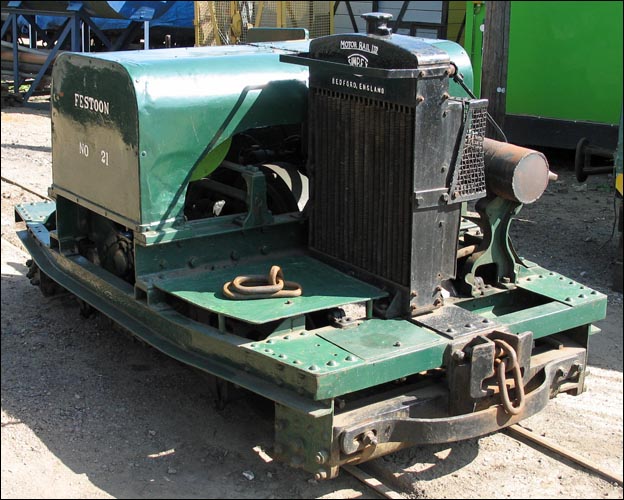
(458, 355)
(321, 457)
(320, 475)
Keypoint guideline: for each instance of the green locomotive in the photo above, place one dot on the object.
(322, 223)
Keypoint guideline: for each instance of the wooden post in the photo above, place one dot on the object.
(495, 54)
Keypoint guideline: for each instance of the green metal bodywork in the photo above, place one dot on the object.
(564, 62)
(167, 111)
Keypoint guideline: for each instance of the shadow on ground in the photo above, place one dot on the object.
(136, 422)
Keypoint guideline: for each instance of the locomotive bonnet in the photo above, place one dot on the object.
(323, 223)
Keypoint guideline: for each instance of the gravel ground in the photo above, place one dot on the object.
(88, 412)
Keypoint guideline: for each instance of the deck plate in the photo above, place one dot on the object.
(323, 287)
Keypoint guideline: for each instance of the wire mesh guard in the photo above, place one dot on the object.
(469, 175)
(226, 23)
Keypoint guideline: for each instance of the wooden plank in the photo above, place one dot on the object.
(516, 430)
(495, 55)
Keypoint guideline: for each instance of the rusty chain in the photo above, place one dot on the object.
(505, 351)
(260, 286)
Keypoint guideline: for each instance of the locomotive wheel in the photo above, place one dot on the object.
(47, 286)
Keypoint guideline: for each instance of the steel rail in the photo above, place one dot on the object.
(23, 187)
(516, 431)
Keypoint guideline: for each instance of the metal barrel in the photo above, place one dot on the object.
(515, 173)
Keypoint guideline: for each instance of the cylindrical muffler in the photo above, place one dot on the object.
(515, 173)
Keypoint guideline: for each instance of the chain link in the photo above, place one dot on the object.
(506, 352)
(259, 286)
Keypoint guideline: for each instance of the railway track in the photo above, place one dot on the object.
(25, 188)
(525, 435)
(517, 432)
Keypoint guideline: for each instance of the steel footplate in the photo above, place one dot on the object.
(205, 289)
(39, 211)
(453, 321)
(333, 361)
(558, 287)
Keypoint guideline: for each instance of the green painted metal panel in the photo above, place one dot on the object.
(95, 134)
(545, 302)
(149, 118)
(311, 353)
(565, 60)
(558, 287)
(35, 211)
(552, 318)
(462, 60)
(419, 358)
(375, 339)
(343, 361)
(323, 287)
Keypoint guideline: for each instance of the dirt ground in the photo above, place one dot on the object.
(87, 412)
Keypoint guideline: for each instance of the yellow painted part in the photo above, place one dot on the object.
(259, 14)
(211, 161)
(456, 13)
(281, 7)
(618, 183)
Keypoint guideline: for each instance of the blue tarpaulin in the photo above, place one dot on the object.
(179, 15)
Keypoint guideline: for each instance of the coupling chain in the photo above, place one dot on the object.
(258, 286)
(507, 354)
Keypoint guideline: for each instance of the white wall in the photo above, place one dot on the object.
(424, 12)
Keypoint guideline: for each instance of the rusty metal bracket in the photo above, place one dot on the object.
(400, 422)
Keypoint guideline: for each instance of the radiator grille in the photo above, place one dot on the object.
(362, 182)
(469, 177)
